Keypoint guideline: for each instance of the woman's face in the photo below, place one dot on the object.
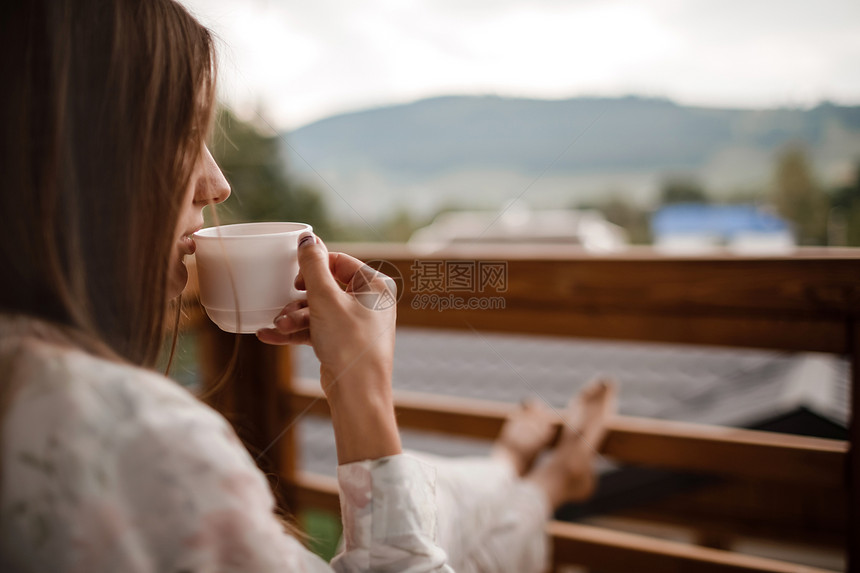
(207, 186)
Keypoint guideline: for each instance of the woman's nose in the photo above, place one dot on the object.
(213, 187)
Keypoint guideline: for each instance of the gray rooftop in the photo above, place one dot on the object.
(731, 387)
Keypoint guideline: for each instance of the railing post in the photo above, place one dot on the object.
(853, 469)
(285, 430)
(255, 399)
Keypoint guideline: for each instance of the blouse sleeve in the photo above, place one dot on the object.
(165, 485)
(389, 510)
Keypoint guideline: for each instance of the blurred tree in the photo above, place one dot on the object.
(635, 220)
(682, 189)
(745, 196)
(401, 224)
(798, 198)
(844, 215)
(254, 166)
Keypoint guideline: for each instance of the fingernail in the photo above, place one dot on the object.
(279, 318)
(306, 239)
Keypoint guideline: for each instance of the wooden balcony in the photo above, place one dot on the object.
(792, 487)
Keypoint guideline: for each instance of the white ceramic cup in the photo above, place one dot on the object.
(261, 259)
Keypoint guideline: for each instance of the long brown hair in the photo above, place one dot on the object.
(104, 113)
(105, 106)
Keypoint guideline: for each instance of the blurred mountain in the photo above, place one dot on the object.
(482, 151)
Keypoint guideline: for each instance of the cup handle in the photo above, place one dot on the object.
(298, 294)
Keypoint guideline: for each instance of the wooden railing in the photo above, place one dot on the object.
(806, 302)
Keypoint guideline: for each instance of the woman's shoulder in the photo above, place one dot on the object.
(69, 396)
(104, 460)
(47, 372)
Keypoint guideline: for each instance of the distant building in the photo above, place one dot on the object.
(584, 228)
(696, 228)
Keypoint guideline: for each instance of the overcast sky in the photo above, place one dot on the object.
(301, 60)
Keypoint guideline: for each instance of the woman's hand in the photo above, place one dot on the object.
(353, 339)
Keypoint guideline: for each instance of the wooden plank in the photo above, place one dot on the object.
(654, 443)
(614, 551)
(761, 511)
(799, 303)
(799, 284)
(316, 492)
(600, 548)
(557, 251)
(728, 451)
(748, 331)
(796, 286)
(781, 512)
(456, 417)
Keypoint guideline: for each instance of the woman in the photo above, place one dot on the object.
(107, 465)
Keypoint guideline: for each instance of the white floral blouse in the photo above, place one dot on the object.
(107, 467)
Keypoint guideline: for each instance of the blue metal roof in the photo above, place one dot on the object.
(722, 220)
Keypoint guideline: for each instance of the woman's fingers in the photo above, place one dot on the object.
(321, 272)
(325, 273)
(351, 272)
(291, 326)
(314, 267)
(292, 307)
(293, 318)
(273, 336)
(345, 267)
